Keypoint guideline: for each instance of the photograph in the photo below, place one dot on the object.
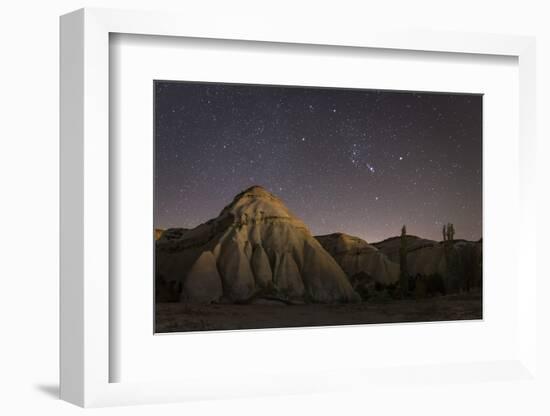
(279, 206)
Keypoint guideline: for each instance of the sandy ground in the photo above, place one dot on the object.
(177, 317)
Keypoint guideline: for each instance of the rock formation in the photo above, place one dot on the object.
(256, 245)
(203, 282)
(356, 256)
(390, 246)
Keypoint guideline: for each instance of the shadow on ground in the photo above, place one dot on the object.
(51, 390)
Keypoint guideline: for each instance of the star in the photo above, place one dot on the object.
(340, 167)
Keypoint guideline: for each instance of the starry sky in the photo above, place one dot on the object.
(363, 162)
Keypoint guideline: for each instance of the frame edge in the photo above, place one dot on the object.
(71, 202)
(83, 36)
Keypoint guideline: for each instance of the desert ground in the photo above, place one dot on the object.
(180, 317)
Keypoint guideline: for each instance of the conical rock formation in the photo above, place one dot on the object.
(257, 243)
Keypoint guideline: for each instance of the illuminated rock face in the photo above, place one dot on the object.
(356, 256)
(257, 244)
(429, 258)
(203, 282)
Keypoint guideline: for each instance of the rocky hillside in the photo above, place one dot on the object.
(356, 256)
(458, 264)
(390, 246)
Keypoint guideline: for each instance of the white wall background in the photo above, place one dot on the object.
(29, 204)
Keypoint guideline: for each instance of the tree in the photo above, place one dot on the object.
(404, 275)
(452, 260)
(449, 232)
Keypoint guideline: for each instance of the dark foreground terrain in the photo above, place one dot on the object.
(178, 317)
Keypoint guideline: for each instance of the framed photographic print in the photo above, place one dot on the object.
(266, 199)
(300, 200)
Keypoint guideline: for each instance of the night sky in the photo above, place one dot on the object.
(363, 162)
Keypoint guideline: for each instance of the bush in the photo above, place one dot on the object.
(166, 291)
(363, 284)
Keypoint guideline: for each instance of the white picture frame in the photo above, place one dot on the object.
(85, 164)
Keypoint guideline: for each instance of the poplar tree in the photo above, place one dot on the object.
(404, 275)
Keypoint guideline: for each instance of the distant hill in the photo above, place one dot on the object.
(390, 246)
(355, 255)
(461, 262)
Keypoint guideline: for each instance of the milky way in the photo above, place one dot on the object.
(363, 162)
